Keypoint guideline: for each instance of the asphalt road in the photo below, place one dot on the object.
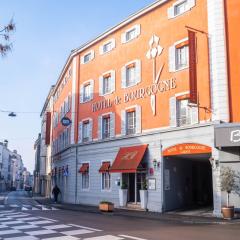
(23, 218)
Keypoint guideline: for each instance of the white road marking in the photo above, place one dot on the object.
(44, 208)
(28, 218)
(34, 208)
(21, 238)
(6, 211)
(59, 226)
(131, 237)
(41, 222)
(53, 208)
(19, 215)
(3, 226)
(24, 209)
(88, 228)
(62, 238)
(76, 232)
(5, 218)
(40, 232)
(48, 219)
(13, 222)
(14, 205)
(6, 232)
(22, 227)
(105, 237)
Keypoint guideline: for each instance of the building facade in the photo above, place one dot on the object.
(142, 102)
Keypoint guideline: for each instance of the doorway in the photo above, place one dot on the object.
(187, 182)
(134, 182)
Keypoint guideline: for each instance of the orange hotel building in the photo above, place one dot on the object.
(150, 101)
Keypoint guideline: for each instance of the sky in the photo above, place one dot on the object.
(46, 32)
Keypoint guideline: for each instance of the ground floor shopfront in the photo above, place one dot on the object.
(179, 166)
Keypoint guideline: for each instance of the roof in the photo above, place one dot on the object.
(88, 44)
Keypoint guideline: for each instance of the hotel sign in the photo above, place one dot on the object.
(227, 135)
(140, 93)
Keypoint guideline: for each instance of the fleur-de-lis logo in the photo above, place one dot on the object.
(155, 48)
(154, 51)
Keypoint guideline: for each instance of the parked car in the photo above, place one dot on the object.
(28, 188)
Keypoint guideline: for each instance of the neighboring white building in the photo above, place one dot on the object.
(11, 168)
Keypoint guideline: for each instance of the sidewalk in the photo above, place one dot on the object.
(2, 197)
(177, 218)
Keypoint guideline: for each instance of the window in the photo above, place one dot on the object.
(89, 56)
(106, 127)
(131, 122)
(184, 113)
(84, 170)
(106, 181)
(130, 75)
(182, 57)
(86, 92)
(106, 84)
(85, 131)
(180, 8)
(131, 33)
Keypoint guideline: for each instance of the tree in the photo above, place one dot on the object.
(5, 32)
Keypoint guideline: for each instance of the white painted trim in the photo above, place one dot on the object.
(113, 45)
(81, 188)
(218, 60)
(181, 93)
(110, 189)
(74, 80)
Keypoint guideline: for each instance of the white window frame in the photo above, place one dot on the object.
(91, 53)
(104, 117)
(88, 82)
(110, 181)
(138, 73)
(85, 189)
(112, 43)
(112, 83)
(180, 66)
(172, 10)
(86, 123)
(135, 122)
(136, 28)
(173, 57)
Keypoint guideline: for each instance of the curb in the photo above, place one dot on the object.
(165, 218)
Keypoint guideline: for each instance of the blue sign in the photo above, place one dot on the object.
(66, 121)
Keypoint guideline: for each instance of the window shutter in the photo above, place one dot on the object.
(138, 71)
(191, 4)
(92, 54)
(90, 129)
(123, 37)
(113, 43)
(112, 125)
(99, 127)
(138, 119)
(79, 132)
(173, 111)
(69, 102)
(100, 85)
(123, 75)
(91, 89)
(172, 59)
(113, 81)
(123, 122)
(171, 12)
(81, 93)
(138, 29)
(101, 50)
(194, 115)
(82, 60)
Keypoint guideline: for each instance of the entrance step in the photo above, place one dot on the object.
(133, 207)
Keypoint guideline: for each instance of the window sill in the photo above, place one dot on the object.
(181, 69)
(106, 94)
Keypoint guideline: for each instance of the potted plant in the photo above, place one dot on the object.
(144, 195)
(123, 193)
(228, 185)
(106, 206)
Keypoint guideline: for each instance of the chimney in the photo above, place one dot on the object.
(5, 143)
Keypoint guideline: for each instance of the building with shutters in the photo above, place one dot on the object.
(142, 101)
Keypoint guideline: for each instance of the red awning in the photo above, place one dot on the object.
(84, 168)
(105, 167)
(128, 159)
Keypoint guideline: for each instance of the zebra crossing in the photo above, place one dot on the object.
(20, 225)
(27, 207)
